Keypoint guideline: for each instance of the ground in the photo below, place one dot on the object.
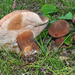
(53, 60)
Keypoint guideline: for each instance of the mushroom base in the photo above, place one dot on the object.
(30, 58)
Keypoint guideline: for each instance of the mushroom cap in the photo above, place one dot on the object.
(58, 41)
(59, 28)
(17, 21)
(10, 15)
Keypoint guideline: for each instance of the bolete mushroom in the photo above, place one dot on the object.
(58, 30)
(22, 26)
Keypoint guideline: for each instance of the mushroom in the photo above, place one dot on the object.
(58, 30)
(21, 27)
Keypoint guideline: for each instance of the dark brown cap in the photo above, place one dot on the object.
(59, 28)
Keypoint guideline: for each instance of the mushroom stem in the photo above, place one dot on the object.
(58, 41)
(27, 43)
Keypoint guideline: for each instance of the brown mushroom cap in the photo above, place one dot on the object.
(59, 28)
(10, 15)
(58, 41)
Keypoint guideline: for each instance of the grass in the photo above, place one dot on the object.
(52, 60)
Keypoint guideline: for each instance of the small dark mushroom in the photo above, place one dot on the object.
(58, 30)
(58, 41)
